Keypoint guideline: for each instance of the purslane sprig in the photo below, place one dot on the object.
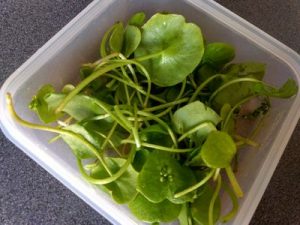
(157, 116)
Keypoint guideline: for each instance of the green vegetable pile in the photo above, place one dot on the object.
(153, 121)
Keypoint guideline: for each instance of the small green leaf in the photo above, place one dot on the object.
(218, 150)
(123, 190)
(171, 48)
(76, 146)
(137, 19)
(80, 107)
(40, 105)
(116, 38)
(147, 211)
(218, 54)
(132, 39)
(162, 176)
(287, 90)
(193, 114)
(205, 71)
(199, 207)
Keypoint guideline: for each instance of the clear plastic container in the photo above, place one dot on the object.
(58, 61)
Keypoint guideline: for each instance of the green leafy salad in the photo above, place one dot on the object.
(153, 122)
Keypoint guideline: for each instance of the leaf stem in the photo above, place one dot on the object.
(227, 84)
(136, 87)
(144, 71)
(85, 82)
(196, 186)
(114, 176)
(162, 106)
(162, 123)
(246, 141)
(159, 147)
(110, 142)
(213, 200)
(226, 121)
(54, 130)
(234, 183)
(199, 89)
(107, 138)
(134, 78)
(215, 177)
(135, 128)
(194, 129)
(235, 204)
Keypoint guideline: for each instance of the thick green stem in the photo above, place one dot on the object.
(103, 61)
(234, 183)
(235, 205)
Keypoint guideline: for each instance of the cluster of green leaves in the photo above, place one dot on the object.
(155, 117)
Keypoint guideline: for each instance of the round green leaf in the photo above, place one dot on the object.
(218, 150)
(162, 176)
(175, 48)
(147, 211)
